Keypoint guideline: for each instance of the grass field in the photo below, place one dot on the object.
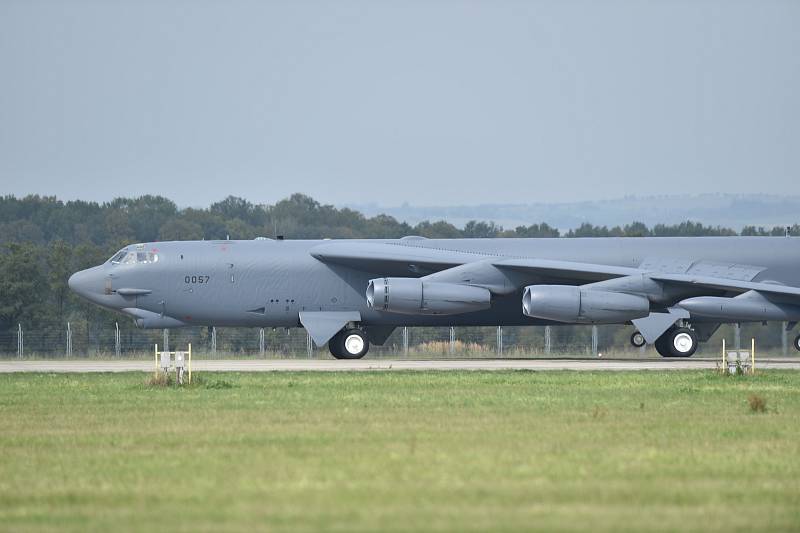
(401, 451)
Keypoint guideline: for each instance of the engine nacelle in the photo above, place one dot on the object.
(565, 303)
(413, 296)
(750, 306)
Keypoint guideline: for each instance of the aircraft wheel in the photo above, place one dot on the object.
(349, 344)
(677, 342)
(797, 343)
(333, 346)
(637, 339)
(661, 345)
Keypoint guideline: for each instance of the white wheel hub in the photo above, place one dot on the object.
(638, 340)
(354, 344)
(683, 342)
(797, 343)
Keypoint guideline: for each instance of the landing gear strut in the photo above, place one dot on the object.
(677, 342)
(350, 343)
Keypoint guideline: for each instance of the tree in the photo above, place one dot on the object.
(481, 230)
(537, 230)
(178, 229)
(22, 284)
(59, 263)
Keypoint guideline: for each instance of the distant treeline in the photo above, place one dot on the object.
(43, 239)
(42, 220)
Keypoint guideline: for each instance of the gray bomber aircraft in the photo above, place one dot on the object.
(350, 293)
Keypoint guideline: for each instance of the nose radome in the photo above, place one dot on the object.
(83, 283)
(73, 282)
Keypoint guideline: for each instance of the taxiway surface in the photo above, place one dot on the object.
(321, 365)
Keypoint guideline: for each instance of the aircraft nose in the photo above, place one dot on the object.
(85, 283)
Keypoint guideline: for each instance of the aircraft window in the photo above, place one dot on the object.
(118, 256)
(132, 258)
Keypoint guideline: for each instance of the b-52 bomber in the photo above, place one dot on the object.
(675, 291)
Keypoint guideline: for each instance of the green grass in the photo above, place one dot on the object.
(401, 451)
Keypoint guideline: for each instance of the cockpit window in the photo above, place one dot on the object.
(129, 257)
(119, 255)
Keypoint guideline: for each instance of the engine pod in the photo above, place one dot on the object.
(750, 306)
(414, 296)
(567, 303)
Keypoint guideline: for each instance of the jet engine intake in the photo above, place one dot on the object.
(566, 303)
(413, 296)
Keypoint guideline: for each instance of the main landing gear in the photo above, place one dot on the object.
(350, 343)
(797, 343)
(677, 342)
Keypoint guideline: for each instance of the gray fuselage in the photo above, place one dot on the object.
(269, 282)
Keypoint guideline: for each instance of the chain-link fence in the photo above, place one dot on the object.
(86, 340)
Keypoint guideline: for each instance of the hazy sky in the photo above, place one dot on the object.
(426, 102)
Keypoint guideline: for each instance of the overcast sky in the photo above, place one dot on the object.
(391, 102)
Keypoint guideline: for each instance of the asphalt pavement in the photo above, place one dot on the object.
(332, 365)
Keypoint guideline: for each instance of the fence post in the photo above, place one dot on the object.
(594, 340)
(261, 342)
(499, 341)
(405, 340)
(213, 340)
(784, 339)
(117, 340)
(547, 340)
(69, 340)
(20, 342)
(452, 340)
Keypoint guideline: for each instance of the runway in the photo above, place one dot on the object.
(364, 365)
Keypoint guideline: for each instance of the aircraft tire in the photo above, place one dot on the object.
(677, 342)
(637, 340)
(349, 344)
(662, 347)
(333, 346)
(797, 343)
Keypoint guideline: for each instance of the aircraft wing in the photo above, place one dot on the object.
(390, 258)
(567, 270)
(731, 285)
(588, 272)
(407, 259)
